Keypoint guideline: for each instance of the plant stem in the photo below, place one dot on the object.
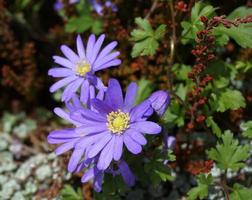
(154, 5)
(172, 46)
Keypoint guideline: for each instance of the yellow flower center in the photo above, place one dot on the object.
(82, 68)
(118, 121)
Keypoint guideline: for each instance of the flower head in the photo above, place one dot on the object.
(78, 70)
(160, 101)
(116, 122)
(97, 175)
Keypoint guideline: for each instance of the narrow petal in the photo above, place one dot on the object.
(97, 147)
(98, 181)
(136, 136)
(146, 127)
(63, 82)
(92, 128)
(111, 63)
(131, 145)
(97, 48)
(114, 96)
(106, 155)
(90, 46)
(138, 111)
(63, 62)
(69, 54)
(106, 59)
(60, 72)
(62, 134)
(118, 147)
(75, 159)
(84, 96)
(71, 89)
(130, 96)
(88, 175)
(65, 147)
(80, 47)
(127, 174)
(101, 106)
(89, 140)
(106, 50)
(85, 115)
(66, 116)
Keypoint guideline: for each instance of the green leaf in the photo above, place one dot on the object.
(68, 193)
(247, 129)
(241, 34)
(215, 128)
(144, 90)
(228, 154)
(190, 28)
(146, 38)
(230, 99)
(201, 191)
(240, 193)
(83, 23)
(241, 12)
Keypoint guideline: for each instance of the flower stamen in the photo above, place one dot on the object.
(118, 121)
(82, 67)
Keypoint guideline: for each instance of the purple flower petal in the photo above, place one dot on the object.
(71, 89)
(146, 127)
(69, 54)
(80, 47)
(106, 50)
(114, 96)
(101, 106)
(61, 136)
(106, 155)
(84, 92)
(61, 113)
(136, 136)
(99, 64)
(97, 147)
(111, 63)
(130, 96)
(98, 181)
(90, 46)
(85, 115)
(88, 175)
(131, 145)
(97, 48)
(138, 111)
(60, 72)
(89, 140)
(65, 147)
(91, 128)
(75, 159)
(127, 174)
(63, 62)
(118, 147)
(61, 83)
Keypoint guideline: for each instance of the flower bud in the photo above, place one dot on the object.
(160, 101)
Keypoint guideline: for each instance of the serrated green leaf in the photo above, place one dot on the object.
(247, 129)
(145, 47)
(230, 99)
(68, 193)
(240, 193)
(201, 191)
(145, 38)
(241, 12)
(215, 128)
(190, 28)
(228, 154)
